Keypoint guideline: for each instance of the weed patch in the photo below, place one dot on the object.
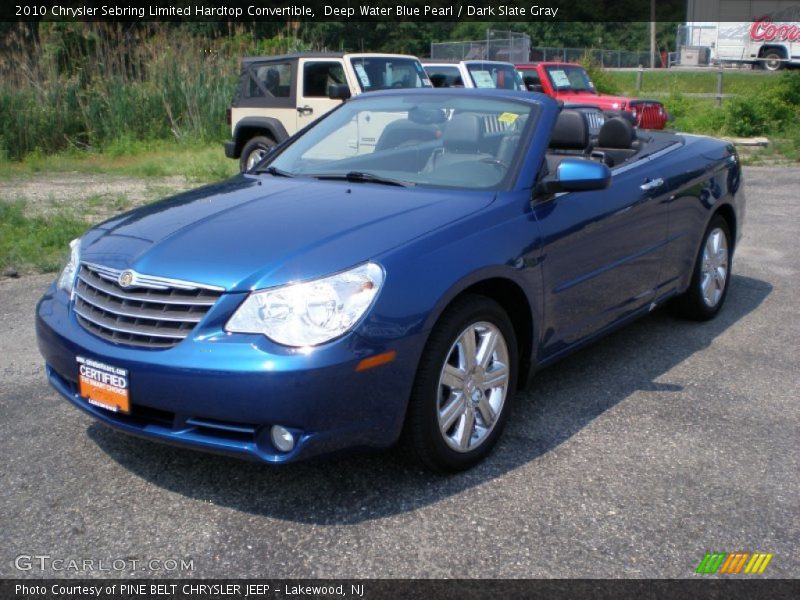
(35, 243)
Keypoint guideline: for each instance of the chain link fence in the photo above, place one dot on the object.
(613, 59)
(515, 47)
(499, 45)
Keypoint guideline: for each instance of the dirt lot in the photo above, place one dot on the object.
(96, 196)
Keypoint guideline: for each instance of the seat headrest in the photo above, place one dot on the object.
(616, 133)
(571, 131)
(625, 114)
(463, 133)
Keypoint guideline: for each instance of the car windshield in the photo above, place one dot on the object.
(444, 139)
(492, 75)
(380, 73)
(565, 78)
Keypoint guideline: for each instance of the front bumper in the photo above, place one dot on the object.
(222, 392)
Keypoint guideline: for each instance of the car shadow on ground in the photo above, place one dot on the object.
(349, 489)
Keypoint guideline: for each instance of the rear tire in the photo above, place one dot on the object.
(772, 61)
(711, 275)
(462, 393)
(254, 151)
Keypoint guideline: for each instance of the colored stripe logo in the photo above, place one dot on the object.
(734, 563)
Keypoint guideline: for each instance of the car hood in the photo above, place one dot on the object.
(255, 232)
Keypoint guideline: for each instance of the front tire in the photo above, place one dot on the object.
(711, 275)
(462, 393)
(254, 151)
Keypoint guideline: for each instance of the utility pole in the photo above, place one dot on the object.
(652, 34)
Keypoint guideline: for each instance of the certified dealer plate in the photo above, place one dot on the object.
(103, 385)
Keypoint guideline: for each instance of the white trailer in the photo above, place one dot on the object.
(770, 39)
(764, 43)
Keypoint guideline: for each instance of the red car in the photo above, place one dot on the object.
(571, 83)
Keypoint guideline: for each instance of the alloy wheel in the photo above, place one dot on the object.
(473, 385)
(714, 269)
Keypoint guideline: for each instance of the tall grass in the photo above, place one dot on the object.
(675, 81)
(772, 111)
(88, 85)
(35, 243)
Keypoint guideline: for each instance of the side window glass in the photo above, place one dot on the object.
(532, 81)
(445, 76)
(319, 76)
(272, 79)
(531, 78)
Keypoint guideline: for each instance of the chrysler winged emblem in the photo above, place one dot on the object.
(125, 278)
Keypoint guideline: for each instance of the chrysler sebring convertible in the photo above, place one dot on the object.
(394, 272)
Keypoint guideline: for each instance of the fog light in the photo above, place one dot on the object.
(282, 438)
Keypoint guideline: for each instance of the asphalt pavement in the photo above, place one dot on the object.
(632, 458)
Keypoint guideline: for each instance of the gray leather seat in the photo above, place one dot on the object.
(616, 140)
(461, 142)
(569, 138)
(404, 132)
(571, 133)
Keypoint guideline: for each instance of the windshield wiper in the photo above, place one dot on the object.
(359, 177)
(275, 171)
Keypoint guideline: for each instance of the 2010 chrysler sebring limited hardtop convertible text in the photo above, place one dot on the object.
(351, 291)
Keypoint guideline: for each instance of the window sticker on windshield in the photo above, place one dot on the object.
(560, 78)
(507, 117)
(483, 79)
(362, 74)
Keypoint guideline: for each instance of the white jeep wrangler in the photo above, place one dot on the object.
(279, 95)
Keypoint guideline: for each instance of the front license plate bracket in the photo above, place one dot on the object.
(103, 385)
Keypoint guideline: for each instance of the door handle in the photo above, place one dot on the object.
(305, 110)
(652, 184)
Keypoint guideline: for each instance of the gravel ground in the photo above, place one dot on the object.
(97, 197)
(629, 459)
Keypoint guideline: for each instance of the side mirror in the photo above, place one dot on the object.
(339, 91)
(577, 175)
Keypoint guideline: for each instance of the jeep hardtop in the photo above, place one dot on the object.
(279, 95)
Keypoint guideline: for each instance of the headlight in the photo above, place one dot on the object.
(312, 312)
(67, 278)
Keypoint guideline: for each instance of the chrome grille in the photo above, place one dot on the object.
(491, 124)
(153, 312)
(595, 119)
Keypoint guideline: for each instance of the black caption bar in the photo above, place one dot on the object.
(457, 589)
(343, 10)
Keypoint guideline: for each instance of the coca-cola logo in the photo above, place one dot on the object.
(763, 30)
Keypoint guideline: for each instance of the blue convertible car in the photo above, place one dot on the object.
(395, 271)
